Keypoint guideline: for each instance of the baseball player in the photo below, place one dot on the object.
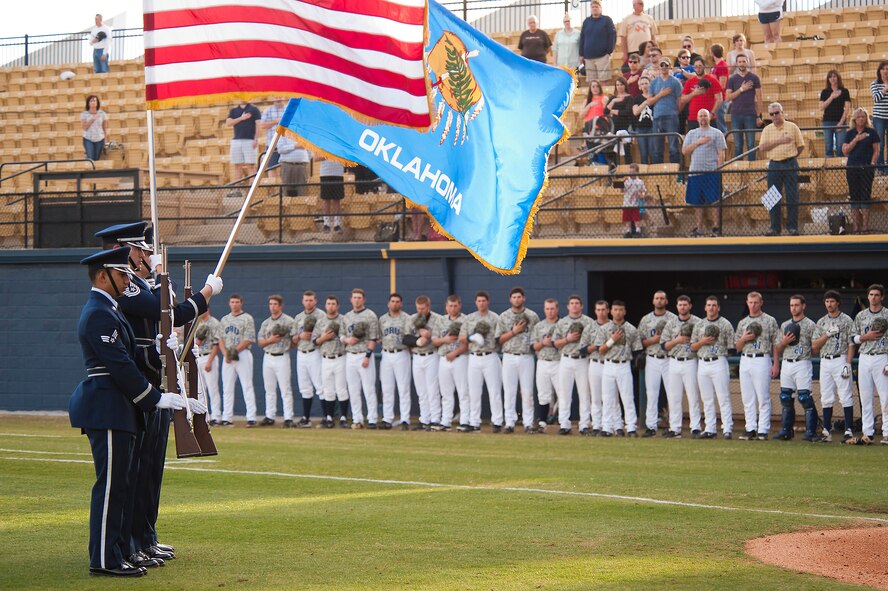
(239, 334)
(543, 342)
(832, 341)
(308, 358)
(682, 377)
(616, 342)
(425, 364)
(757, 336)
(477, 332)
(711, 339)
(513, 331)
(360, 367)
(869, 335)
(276, 337)
(394, 369)
(656, 367)
(796, 371)
(453, 364)
(573, 367)
(325, 337)
(207, 336)
(614, 415)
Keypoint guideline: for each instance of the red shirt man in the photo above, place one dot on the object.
(702, 92)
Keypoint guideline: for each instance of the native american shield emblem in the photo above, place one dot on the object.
(454, 87)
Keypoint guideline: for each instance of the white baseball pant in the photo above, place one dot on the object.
(242, 370)
(333, 377)
(485, 369)
(796, 375)
(656, 371)
(518, 375)
(714, 381)
(616, 378)
(573, 371)
(870, 379)
(425, 380)
(211, 382)
(360, 379)
(614, 414)
(755, 391)
(547, 381)
(682, 380)
(276, 374)
(453, 376)
(308, 373)
(394, 370)
(831, 381)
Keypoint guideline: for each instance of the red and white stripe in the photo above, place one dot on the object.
(363, 55)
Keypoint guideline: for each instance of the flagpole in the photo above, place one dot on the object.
(152, 183)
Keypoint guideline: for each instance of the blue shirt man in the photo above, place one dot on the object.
(665, 91)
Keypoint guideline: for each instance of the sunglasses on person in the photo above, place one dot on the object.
(665, 66)
(686, 46)
(684, 57)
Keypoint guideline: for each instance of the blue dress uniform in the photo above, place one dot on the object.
(109, 406)
(140, 303)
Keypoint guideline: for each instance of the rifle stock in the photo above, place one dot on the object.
(201, 428)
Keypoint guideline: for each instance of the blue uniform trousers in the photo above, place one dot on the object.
(112, 452)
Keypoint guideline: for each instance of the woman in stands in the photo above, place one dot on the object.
(770, 15)
(835, 102)
(645, 121)
(620, 110)
(739, 41)
(95, 127)
(596, 102)
(879, 90)
(862, 147)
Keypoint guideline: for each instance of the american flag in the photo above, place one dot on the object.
(365, 56)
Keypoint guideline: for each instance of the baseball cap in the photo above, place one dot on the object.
(665, 60)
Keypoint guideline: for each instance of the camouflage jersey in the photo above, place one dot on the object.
(621, 351)
(519, 344)
(862, 323)
(563, 327)
(441, 328)
(722, 344)
(840, 330)
(334, 346)
(431, 322)
(649, 325)
(214, 333)
(266, 328)
(468, 329)
(541, 330)
(673, 330)
(236, 329)
(801, 348)
(371, 324)
(299, 324)
(764, 343)
(590, 333)
(393, 329)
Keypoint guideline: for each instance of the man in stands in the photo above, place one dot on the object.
(245, 141)
(100, 39)
(636, 28)
(702, 92)
(745, 93)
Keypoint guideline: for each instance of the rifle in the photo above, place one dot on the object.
(183, 420)
(195, 383)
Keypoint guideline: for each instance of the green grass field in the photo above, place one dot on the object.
(313, 509)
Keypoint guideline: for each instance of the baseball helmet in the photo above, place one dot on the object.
(793, 328)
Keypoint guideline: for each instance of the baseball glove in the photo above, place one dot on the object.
(686, 330)
(360, 330)
(859, 440)
(711, 331)
(409, 340)
(482, 328)
(101, 36)
(879, 325)
(794, 329)
(333, 327)
(453, 329)
(421, 321)
(755, 328)
(202, 332)
(232, 354)
(576, 327)
(280, 330)
(658, 329)
(310, 323)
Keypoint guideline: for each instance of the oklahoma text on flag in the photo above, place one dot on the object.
(480, 169)
(366, 56)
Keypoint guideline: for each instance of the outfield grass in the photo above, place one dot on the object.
(276, 528)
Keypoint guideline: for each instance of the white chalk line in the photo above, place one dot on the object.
(32, 435)
(515, 489)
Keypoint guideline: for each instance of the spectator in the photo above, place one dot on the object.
(95, 127)
(566, 48)
(745, 94)
(597, 42)
(644, 50)
(633, 75)
(879, 90)
(644, 124)
(684, 72)
(701, 92)
(245, 141)
(720, 71)
(270, 120)
(654, 54)
(596, 103)
(861, 146)
(770, 14)
(294, 166)
(636, 28)
(706, 147)
(739, 41)
(634, 195)
(666, 91)
(687, 44)
(782, 142)
(100, 39)
(835, 102)
(534, 43)
(332, 192)
(620, 110)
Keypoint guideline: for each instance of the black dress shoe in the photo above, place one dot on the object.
(164, 547)
(155, 552)
(142, 559)
(124, 570)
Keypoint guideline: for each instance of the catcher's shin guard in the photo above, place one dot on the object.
(787, 418)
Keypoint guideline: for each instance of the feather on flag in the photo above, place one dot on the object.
(364, 56)
(480, 169)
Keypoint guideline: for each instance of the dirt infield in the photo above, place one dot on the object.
(857, 556)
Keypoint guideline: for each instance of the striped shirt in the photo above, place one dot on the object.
(880, 99)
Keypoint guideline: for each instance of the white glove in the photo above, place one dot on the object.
(477, 339)
(846, 372)
(172, 401)
(215, 283)
(197, 407)
(154, 261)
(173, 343)
(157, 341)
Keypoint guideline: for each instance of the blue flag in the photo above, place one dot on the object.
(480, 169)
